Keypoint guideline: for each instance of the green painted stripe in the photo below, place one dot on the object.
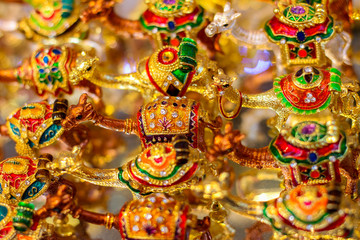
(277, 38)
(335, 87)
(176, 168)
(59, 24)
(336, 71)
(303, 221)
(199, 21)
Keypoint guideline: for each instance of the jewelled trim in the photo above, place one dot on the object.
(140, 219)
(284, 220)
(171, 69)
(51, 70)
(151, 21)
(286, 153)
(304, 100)
(277, 31)
(18, 179)
(311, 134)
(33, 125)
(161, 120)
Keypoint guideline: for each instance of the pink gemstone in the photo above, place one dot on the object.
(308, 129)
(298, 10)
(169, 1)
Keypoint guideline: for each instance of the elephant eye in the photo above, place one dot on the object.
(79, 117)
(89, 68)
(226, 24)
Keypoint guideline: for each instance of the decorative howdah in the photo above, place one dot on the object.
(308, 90)
(301, 30)
(53, 19)
(311, 211)
(18, 180)
(157, 170)
(33, 126)
(54, 70)
(171, 69)
(169, 225)
(161, 120)
(312, 152)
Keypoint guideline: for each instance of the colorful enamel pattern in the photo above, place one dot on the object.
(312, 211)
(167, 16)
(161, 120)
(8, 225)
(33, 126)
(165, 219)
(158, 170)
(308, 90)
(171, 69)
(300, 34)
(18, 181)
(51, 19)
(51, 68)
(311, 151)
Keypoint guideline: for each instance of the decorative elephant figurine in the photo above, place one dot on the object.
(37, 125)
(55, 70)
(157, 216)
(51, 20)
(175, 71)
(304, 212)
(166, 22)
(300, 34)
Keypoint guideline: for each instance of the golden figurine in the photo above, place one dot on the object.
(166, 22)
(22, 180)
(176, 71)
(299, 34)
(54, 71)
(36, 125)
(309, 212)
(54, 21)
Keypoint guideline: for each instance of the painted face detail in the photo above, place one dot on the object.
(309, 199)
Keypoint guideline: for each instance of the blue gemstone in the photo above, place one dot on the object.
(56, 51)
(171, 25)
(300, 36)
(54, 69)
(49, 78)
(312, 157)
(41, 70)
(46, 59)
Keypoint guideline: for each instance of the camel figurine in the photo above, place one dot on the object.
(157, 121)
(304, 212)
(55, 71)
(167, 23)
(36, 125)
(296, 41)
(24, 179)
(308, 152)
(174, 71)
(308, 91)
(157, 216)
(53, 20)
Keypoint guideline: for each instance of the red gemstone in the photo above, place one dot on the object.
(315, 174)
(174, 42)
(302, 53)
